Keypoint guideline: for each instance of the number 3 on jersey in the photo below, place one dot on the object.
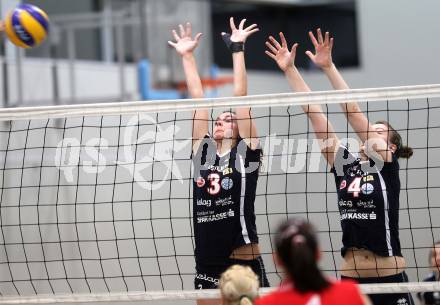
(214, 183)
(355, 186)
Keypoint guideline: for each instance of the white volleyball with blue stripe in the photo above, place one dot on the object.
(27, 25)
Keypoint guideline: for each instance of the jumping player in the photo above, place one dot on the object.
(226, 170)
(367, 182)
(297, 254)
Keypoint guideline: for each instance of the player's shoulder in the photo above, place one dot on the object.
(275, 297)
(347, 282)
(346, 287)
(344, 284)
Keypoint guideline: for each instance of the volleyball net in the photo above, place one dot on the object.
(97, 199)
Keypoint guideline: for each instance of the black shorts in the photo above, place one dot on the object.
(386, 298)
(208, 274)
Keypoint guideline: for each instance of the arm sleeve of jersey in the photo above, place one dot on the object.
(250, 155)
(390, 173)
(393, 165)
(344, 152)
(201, 147)
(254, 155)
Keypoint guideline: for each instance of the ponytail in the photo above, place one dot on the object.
(404, 152)
(297, 248)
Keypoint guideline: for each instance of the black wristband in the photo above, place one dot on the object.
(236, 47)
(232, 45)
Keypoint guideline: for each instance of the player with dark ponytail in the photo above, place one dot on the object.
(297, 249)
(297, 253)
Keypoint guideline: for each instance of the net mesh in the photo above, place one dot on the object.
(98, 199)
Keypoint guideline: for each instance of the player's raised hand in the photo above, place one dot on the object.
(323, 49)
(280, 53)
(241, 33)
(184, 42)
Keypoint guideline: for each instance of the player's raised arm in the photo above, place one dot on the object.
(285, 59)
(185, 45)
(359, 122)
(228, 188)
(235, 42)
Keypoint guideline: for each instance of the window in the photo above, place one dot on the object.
(295, 21)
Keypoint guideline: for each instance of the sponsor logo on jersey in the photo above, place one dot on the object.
(216, 217)
(359, 216)
(345, 203)
(402, 301)
(368, 178)
(343, 185)
(203, 202)
(366, 204)
(218, 168)
(367, 188)
(200, 182)
(227, 183)
(227, 171)
(205, 277)
(224, 201)
(355, 170)
(203, 213)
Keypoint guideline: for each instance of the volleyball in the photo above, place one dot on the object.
(27, 25)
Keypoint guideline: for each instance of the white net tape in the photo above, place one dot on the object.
(195, 294)
(269, 100)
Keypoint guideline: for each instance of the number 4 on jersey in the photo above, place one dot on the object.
(355, 186)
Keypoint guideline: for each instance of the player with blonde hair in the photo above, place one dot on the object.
(239, 286)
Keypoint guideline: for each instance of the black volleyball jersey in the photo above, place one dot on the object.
(223, 201)
(368, 205)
